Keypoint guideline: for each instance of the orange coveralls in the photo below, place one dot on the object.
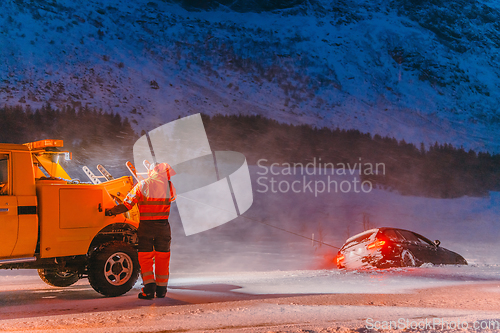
(153, 197)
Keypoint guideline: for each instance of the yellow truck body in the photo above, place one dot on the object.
(56, 224)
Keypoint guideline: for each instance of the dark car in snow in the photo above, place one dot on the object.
(392, 247)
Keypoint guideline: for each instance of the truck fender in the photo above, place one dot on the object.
(125, 231)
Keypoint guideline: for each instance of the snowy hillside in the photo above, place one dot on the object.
(419, 71)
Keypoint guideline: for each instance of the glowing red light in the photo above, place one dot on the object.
(340, 258)
(376, 244)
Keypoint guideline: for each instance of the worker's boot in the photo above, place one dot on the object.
(161, 291)
(148, 291)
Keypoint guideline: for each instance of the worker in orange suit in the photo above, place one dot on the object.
(153, 196)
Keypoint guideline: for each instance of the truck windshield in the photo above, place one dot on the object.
(48, 164)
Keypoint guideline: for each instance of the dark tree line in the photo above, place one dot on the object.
(80, 127)
(440, 171)
(93, 136)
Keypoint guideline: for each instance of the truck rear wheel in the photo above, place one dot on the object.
(58, 278)
(113, 268)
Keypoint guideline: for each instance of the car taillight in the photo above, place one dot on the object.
(376, 244)
(340, 257)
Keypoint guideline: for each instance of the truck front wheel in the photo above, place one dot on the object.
(113, 268)
(58, 278)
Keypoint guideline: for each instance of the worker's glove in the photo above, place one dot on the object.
(108, 212)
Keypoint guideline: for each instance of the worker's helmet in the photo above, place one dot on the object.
(160, 168)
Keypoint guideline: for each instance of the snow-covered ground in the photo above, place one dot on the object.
(275, 301)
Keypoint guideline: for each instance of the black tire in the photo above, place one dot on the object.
(113, 268)
(408, 259)
(58, 278)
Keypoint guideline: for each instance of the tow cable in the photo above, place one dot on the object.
(269, 225)
(290, 232)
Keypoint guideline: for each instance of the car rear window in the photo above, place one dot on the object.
(357, 240)
(409, 236)
(393, 235)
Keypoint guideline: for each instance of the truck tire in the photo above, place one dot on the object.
(113, 268)
(58, 278)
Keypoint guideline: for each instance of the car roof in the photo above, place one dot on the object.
(378, 229)
(389, 228)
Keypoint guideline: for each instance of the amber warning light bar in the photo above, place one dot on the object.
(44, 144)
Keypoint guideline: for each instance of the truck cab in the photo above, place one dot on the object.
(56, 224)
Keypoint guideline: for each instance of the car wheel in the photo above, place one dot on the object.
(408, 259)
(113, 268)
(58, 278)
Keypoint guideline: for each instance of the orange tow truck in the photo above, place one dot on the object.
(56, 224)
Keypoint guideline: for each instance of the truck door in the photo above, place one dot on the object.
(8, 208)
